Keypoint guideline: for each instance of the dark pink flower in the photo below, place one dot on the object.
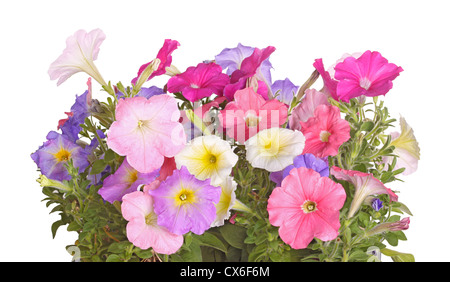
(164, 55)
(199, 82)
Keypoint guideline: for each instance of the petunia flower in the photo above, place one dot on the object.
(199, 82)
(406, 148)
(208, 157)
(226, 202)
(402, 224)
(305, 110)
(275, 148)
(249, 113)
(325, 132)
(369, 75)
(365, 185)
(142, 227)
(146, 131)
(54, 154)
(81, 51)
(329, 83)
(164, 55)
(306, 206)
(284, 90)
(304, 160)
(249, 68)
(125, 180)
(184, 203)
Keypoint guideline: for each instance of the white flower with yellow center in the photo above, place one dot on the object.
(208, 157)
(275, 148)
(226, 202)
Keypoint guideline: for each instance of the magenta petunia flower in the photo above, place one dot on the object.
(370, 75)
(199, 82)
(125, 180)
(306, 206)
(146, 131)
(250, 113)
(325, 132)
(306, 108)
(365, 185)
(184, 203)
(329, 84)
(143, 230)
(164, 55)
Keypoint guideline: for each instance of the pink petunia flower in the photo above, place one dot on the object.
(146, 131)
(164, 55)
(143, 230)
(370, 75)
(81, 51)
(306, 108)
(365, 185)
(306, 206)
(325, 132)
(249, 113)
(199, 82)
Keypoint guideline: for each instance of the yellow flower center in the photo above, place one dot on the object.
(252, 120)
(324, 135)
(212, 159)
(185, 196)
(62, 155)
(309, 206)
(151, 219)
(133, 176)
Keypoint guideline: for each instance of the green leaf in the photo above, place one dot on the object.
(109, 156)
(143, 254)
(98, 166)
(391, 238)
(234, 235)
(55, 227)
(257, 253)
(74, 226)
(397, 256)
(113, 258)
(367, 126)
(118, 247)
(210, 240)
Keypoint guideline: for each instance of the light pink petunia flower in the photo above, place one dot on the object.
(142, 228)
(146, 131)
(306, 108)
(325, 132)
(365, 185)
(250, 113)
(81, 51)
(306, 206)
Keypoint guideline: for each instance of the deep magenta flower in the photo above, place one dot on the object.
(164, 55)
(125, 180)
(184, 203)
(306, 206)
(199, 82)
(370, 75)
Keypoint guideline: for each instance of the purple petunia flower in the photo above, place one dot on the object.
(52, 156)
(184, 203)
(377, 204)
(125, 180)
(286, 89)
(305, 160)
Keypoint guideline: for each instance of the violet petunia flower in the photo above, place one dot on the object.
(52, 156)
(184, 203)
(125, 180)
(304, 160)
(376, 204)
(285, 89)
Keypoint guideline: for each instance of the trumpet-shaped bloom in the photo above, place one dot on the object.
(164, 55)
(406, 148)
(275, 148)
(249, 113)
(402, 224)
(146, 131)
(52, 156)
(199, 82)
(305, 110)
(143, 229)
(125, 180)
(81, 51)
(208, 157)
(284, 90)
(325, 132)
(365, 185)
(306, 206)
(184, 203)
(226, 201)
(329, 84)
(370, 75)
(305, 160)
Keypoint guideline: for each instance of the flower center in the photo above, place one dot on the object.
(193, 85)
(252, 120)
(185, 196)
(365, 83)
(151, 219)
(212, 159)
(309, 206)
(133, 176)
(62, 155)
(324, 136)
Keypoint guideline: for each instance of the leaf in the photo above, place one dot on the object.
(210, 240)
(118, 247)
(234, 235)
(113, 258)
(392, 239)
(109, 156)
(367, 126)
(74, 226)
(55, 227)
(397, 256)
(98, 166)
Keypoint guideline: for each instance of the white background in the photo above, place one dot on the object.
(411, 34)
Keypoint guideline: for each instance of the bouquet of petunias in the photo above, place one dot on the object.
(223, 164)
